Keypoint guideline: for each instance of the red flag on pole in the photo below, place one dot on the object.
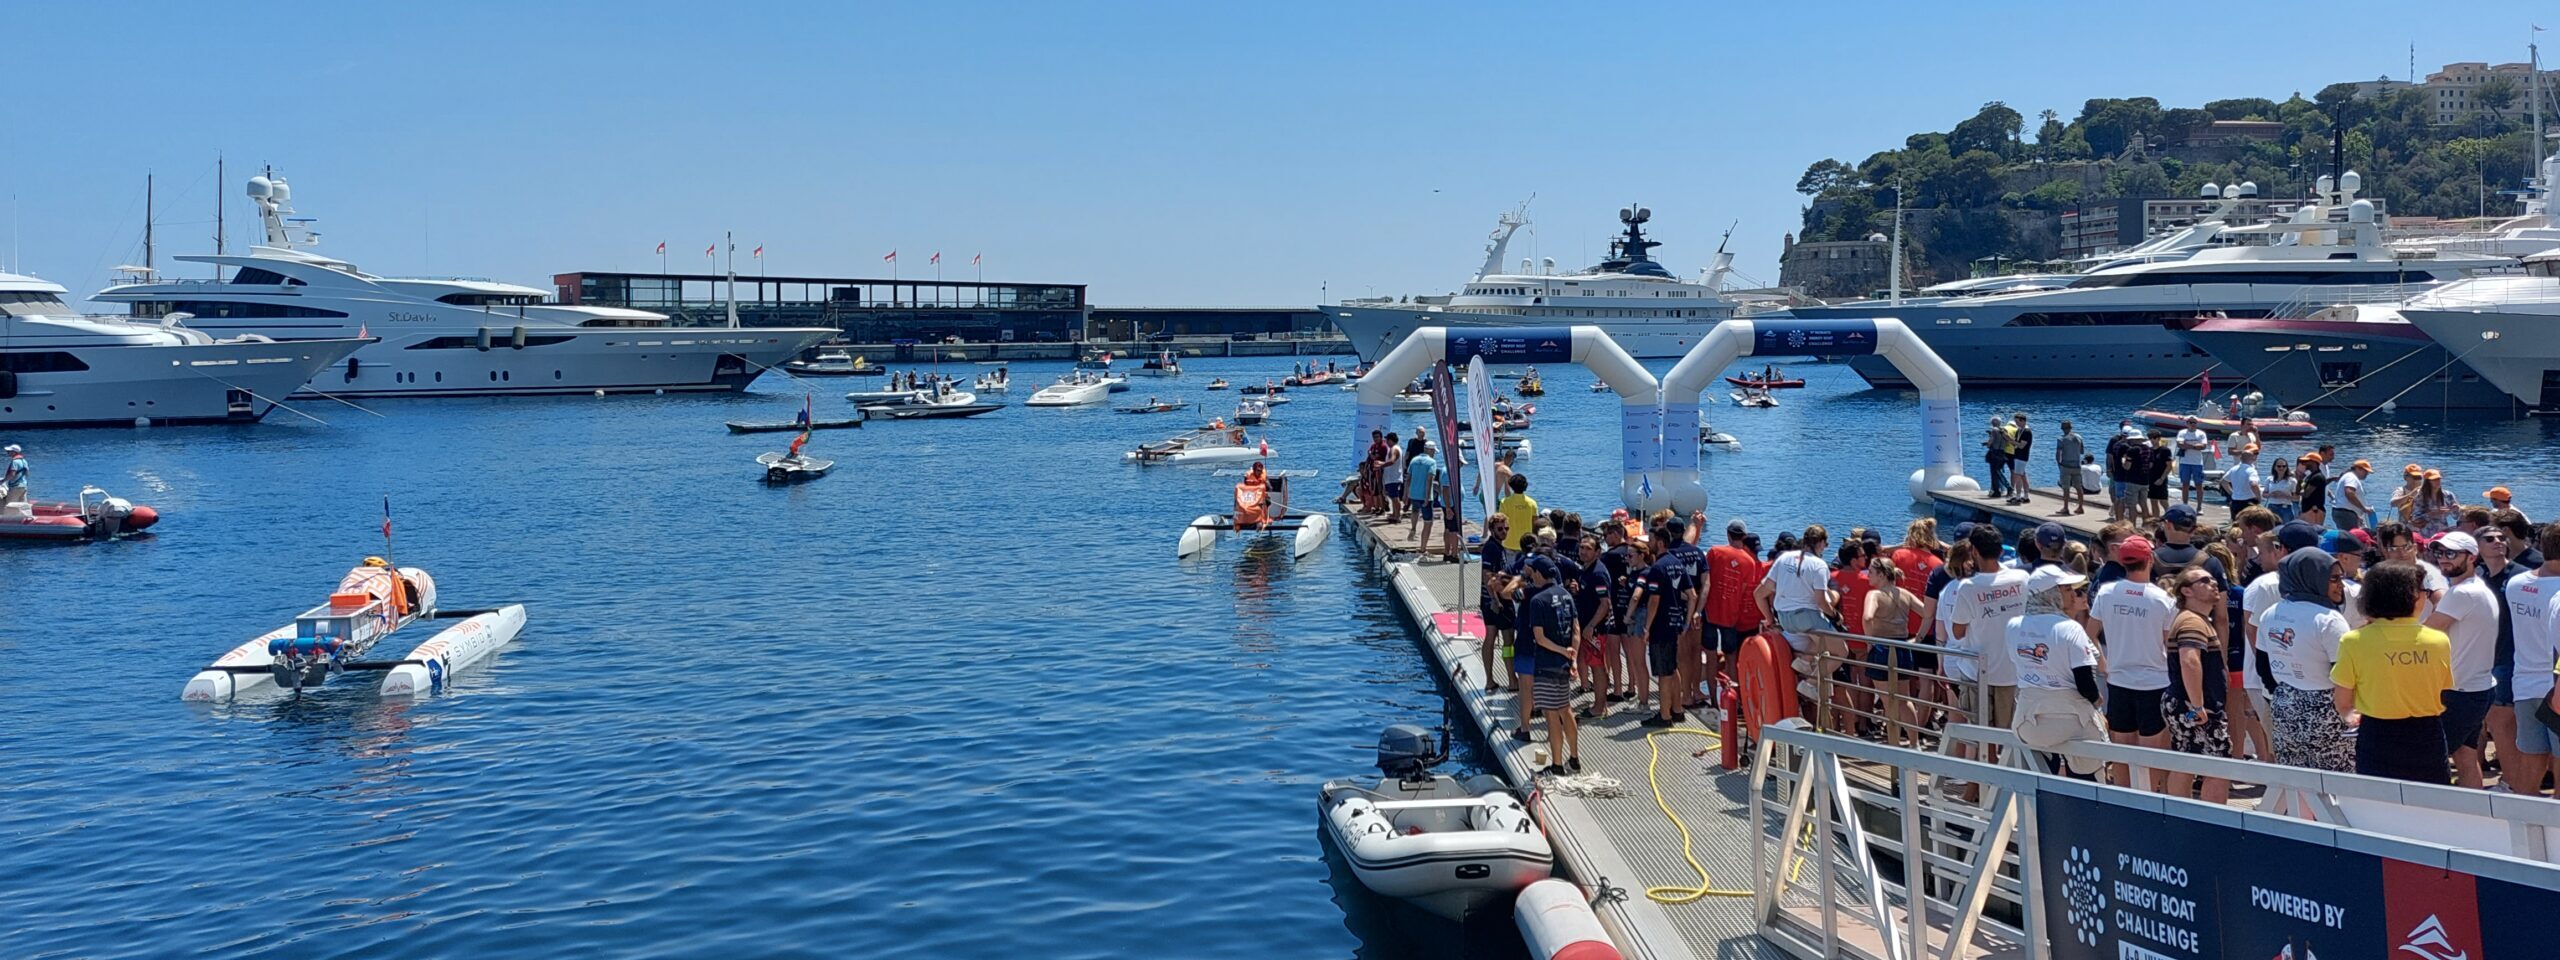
(936, 258)
(2206, 391)
(711, 251)
(662, 246)
(759, 254)
(892, 257)
(973, 261)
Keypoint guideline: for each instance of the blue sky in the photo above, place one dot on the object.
(1232, 154)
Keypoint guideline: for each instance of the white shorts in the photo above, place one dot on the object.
(2049, 718)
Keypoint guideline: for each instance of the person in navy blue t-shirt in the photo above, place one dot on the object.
(1667, 591)
(1549, 620)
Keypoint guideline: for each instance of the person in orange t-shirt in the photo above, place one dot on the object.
(1732, 571)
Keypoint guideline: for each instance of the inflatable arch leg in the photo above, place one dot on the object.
(1941, 449)
(1640, 462)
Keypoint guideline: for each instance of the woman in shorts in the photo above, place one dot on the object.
(2198, 685)
(1888, 612)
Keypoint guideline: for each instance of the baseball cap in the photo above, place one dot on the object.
(2133, 550)
(2363, 537)
(1545, 567)
(2050, 537)
(2435, 474)
(2499, 493)
(2413, 470)
(1734, 528)
(1618, 514)
(2362, 465)
(1997, 420)
(2458, 542)
(2180, 516)
(2340, 543)
(1964, 529)
(2051, 576)
(2295, 535)
(12, 448)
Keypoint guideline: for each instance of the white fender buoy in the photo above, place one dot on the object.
(452, 649)
(1557, 923)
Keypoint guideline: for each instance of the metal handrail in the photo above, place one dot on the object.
(1967, 702)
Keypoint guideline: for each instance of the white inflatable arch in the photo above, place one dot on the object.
(1941, 452)
(1641, 458)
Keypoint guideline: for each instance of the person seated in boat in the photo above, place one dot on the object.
(1236, 435)
(798, 442)
(1253, 500)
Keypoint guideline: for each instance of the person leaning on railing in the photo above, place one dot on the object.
(2057, 667)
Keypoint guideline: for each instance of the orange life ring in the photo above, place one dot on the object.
(1768, 683)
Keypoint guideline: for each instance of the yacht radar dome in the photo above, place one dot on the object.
(2231, 191)
(260, 188)
(2209, 191)
(2360, 211)
(2350, 182)
(2324, 184)
(2248, 189)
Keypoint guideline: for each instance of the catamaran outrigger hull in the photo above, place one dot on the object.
(453, 649)
(1307, 533)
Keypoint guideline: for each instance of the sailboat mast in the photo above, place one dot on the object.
(732, 239)
(221, 203)
(148, 185)
(1896, 280)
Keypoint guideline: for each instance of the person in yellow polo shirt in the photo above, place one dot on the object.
(1520, 510)
(2394, 671)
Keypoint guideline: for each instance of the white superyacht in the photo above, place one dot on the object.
(451, 337)
(1641, 305)
(59, 368)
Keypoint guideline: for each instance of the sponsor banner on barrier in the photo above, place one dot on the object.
(1510, 344)
(1818, 338)
(1940, 439)
(2125, 883)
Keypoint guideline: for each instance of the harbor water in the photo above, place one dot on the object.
(958, 698)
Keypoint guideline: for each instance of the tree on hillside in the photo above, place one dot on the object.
(2049, 134)
(2141, 180)
(2109, 124)
(2180, 120)
(1993, 129)
(2242, 108)
(2496, 95)
(1973, 180)
(1824, 176)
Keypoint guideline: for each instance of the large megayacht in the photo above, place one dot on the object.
(1637, 300)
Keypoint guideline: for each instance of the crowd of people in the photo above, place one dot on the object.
(2417, 641)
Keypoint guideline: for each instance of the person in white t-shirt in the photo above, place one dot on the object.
(2467, 612)
(2133, 617)
(2253, 714)
(2246, 489)
(1985, 602)
(2194, 445)
(2400, 543)
(2533, 605)
(2056, 664)
(2300, 637)
(2346, 497)
(1795, 597)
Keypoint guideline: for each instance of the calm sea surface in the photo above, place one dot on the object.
(957, 698)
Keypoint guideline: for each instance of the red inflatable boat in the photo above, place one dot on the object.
(103, 517)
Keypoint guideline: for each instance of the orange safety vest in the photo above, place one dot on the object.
(1253, 503)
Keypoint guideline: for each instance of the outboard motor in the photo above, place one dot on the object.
(1407, 752)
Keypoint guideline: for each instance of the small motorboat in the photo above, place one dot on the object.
(1218, 384)
(2293, 424)
(786, 468)
(1075, 390)
(787, 426)
(833, 363)
(1753, 398)
(1250, 412)
(939, 403)
(1531, 386)
(994, 381)
(1452, 847)
(1410, 403)
(1097, 361)
(96, 516)
(1265, 388)
(372, 601)
(1274, 399)
(1163, 364)
(868, 397)
(1203, 446)
(1708, 436)
(1117, 382)
(1154, 405)
(1782, 383)
(1599, 387)
(1306, 532)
